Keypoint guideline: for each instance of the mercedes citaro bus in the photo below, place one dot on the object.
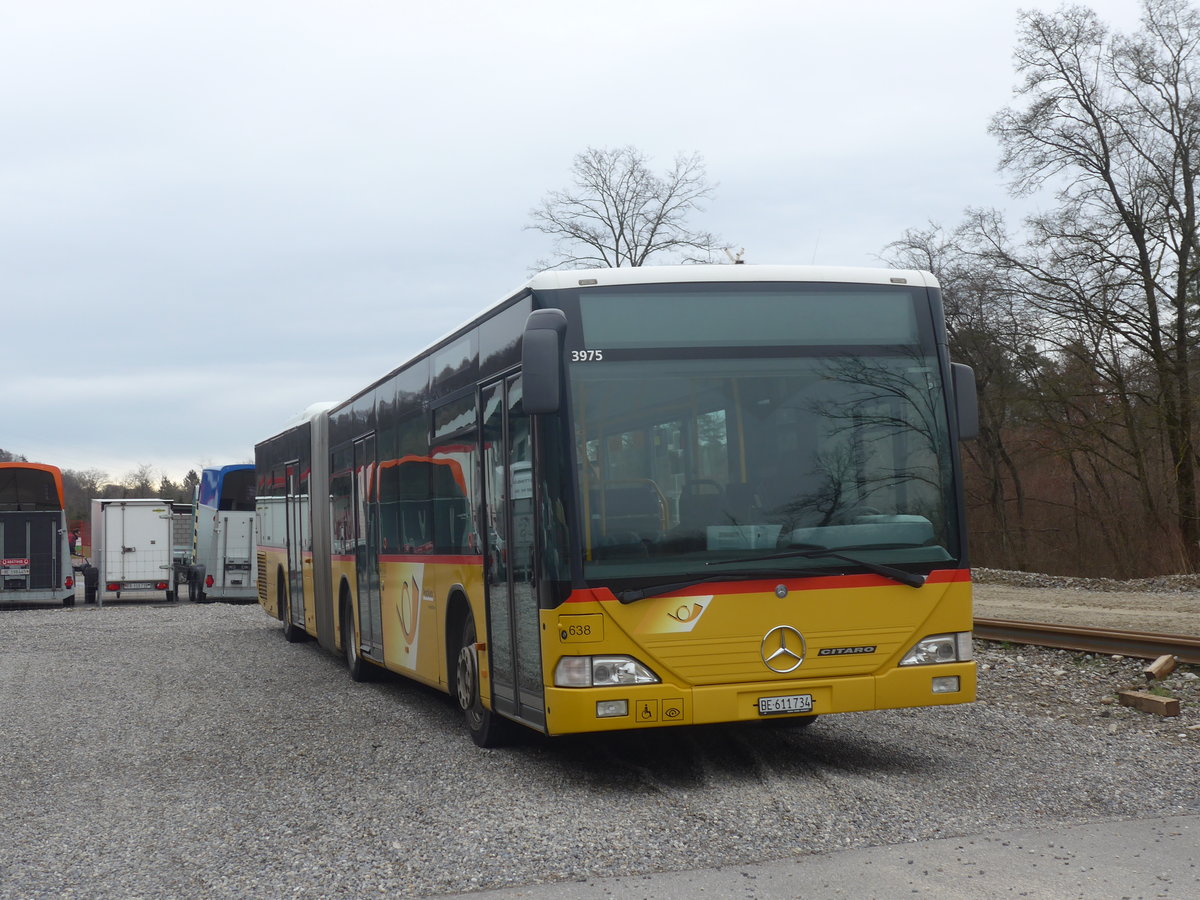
(644, 497)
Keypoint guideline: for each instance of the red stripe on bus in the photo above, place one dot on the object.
(757, 585)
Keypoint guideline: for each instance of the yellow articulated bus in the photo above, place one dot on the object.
(644, 497)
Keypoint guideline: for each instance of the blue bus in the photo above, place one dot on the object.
(223, 551)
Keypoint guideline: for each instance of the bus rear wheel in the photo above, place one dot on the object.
(487, 728)
(291, 633)
(355, 664)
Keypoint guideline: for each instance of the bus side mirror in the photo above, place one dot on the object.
(541, 361)
(966, 405)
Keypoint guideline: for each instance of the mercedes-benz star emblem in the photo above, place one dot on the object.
(783, 649)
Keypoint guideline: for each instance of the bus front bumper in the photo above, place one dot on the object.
(576, 710)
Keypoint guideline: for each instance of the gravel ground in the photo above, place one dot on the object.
(187, 751)
(1169, 604)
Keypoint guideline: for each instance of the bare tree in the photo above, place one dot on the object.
(140, 481)
(1111, 123)
(79, 488)
(620, 213)
(989, 329)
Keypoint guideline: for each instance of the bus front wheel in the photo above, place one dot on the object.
(487, 728)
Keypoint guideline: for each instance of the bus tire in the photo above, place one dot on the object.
(291, 633)
(488, 729)
(91, 583)
(356, 666)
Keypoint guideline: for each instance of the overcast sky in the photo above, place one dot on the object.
(214, 214)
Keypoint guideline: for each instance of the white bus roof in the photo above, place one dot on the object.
(569, 278)
(310, 412)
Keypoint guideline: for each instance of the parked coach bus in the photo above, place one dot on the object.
(35, 553)
(630, 498)
(223, 551)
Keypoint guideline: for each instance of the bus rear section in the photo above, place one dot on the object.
(224, 560)
(292, 529)
(35, 556)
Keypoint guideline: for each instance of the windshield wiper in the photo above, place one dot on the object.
(658, 590)
(909, 578)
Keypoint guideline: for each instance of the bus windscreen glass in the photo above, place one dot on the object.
(28, 489)
(827, 435)
(809, 315)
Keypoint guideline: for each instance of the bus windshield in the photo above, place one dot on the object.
(735, 456)
(28, 488)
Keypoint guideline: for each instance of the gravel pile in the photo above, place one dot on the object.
(184, 751)
(1083, 687)
(1157, 584)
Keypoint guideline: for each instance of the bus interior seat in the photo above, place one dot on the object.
(704, 502)
(620, 544)
(630, 507)
(700, 503)
(741, 500)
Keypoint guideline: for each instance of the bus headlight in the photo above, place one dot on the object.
(939, 648)
(601, 671)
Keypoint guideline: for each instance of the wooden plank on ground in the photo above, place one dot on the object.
(1151, 703)
(1160, 668)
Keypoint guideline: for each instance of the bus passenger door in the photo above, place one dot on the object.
(297, 537)
(515, 630)
(366, 547)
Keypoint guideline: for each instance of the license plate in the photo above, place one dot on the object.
(14, 565)
(237, 567)
(137, 586)
(794, 703)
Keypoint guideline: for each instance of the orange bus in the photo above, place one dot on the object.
(35, 552)
(644, 497)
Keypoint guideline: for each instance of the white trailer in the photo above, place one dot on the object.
(224, 565)
(133, 548)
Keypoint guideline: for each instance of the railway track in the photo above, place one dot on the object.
(1142, 645)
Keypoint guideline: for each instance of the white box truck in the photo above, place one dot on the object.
(224, 565)
(132, 546)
